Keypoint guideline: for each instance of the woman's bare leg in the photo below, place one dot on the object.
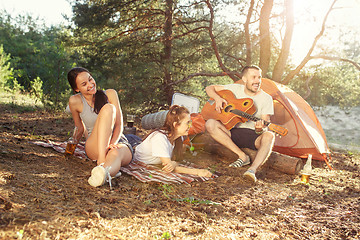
(97, 147)
(97, 144)
(116, 158)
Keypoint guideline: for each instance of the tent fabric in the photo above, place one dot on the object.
(198, 124)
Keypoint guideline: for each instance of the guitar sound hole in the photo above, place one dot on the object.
(227, 108)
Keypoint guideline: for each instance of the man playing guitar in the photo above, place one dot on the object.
(248, 134)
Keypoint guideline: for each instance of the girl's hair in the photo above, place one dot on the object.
(176, 114)
(100, 97)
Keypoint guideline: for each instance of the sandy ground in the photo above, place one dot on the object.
(341, 127)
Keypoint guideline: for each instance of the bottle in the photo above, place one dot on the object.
(130, 120)
(306, 171)
(129, 128)
(72, 142)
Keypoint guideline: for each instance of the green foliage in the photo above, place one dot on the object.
(192, 200)
(166, 235)
(355, 154)
(6, 72)
(124, 43)
(166, 189)
(333, 82)
(14, 86)
(20, 234)
(36, 52)
(36, 89)
(326, 88)
(19, 102)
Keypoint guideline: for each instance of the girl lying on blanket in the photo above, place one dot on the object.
(159, 145)
(99, 111)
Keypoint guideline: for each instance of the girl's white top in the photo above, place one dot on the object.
(156, 145)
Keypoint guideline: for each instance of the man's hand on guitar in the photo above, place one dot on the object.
(239, 111)
(259, 126)
(219, 104)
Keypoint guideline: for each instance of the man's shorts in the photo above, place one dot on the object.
(244, 137)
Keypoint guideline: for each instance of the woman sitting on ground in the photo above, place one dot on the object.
(159, 145)
(99, 111)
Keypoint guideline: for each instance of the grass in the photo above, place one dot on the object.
(166, 189)
(19, 102)
(192, 200)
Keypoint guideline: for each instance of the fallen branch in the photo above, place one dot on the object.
(277, 161)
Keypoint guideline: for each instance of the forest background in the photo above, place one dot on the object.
(147, 50)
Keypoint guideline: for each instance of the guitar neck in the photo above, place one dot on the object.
(248, 116)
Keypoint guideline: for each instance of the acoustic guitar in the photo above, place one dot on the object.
(236, 111)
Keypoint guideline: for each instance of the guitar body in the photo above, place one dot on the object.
(236, 111)
(228, 118)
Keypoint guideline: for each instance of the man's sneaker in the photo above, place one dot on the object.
(250, 175)
(240, 163)
(98, 176)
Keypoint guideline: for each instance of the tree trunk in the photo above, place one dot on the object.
(166, 58)
(247, 34)
(265, 41)
(277, 161)
(285, 49)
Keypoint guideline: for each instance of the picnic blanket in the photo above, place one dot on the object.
(141, 171)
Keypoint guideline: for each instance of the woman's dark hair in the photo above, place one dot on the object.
(175, 114)
(100, 100)
(100, 97)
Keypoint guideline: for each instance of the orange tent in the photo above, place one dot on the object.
(291, 111)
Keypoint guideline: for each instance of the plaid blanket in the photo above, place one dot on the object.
(141, 171)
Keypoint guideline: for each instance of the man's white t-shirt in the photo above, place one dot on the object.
(156, 145)
(263, 102)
